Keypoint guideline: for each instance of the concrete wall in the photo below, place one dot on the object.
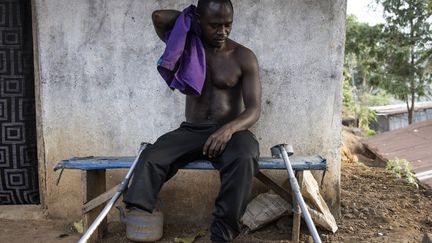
(100, 92)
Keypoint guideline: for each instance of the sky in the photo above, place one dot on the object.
(365, 13)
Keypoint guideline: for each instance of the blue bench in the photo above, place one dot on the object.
(266, 163)
(94, 181)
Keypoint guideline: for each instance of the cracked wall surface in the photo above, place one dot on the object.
(101, 94)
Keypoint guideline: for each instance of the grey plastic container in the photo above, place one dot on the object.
(142, 226)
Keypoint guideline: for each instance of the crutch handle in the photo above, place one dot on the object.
(276, 150)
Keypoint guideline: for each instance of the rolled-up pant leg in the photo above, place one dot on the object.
(160, 161)
(238, 164)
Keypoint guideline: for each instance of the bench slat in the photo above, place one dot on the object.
(97, 163)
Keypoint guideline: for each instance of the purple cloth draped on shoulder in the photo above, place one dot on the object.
(182, 65)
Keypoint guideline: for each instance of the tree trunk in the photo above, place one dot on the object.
(411, 110)
(364, 79)
(410, 116)
(412, 81)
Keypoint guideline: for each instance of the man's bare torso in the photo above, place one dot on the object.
(221, 97)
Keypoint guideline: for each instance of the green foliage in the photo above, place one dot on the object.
(371, 132)
(395, 56)
(405, 47)
(348, 98)
(357, 103)
(402, 169)
(378, 97)
(362, 52)
(365, 115)
(362, 68)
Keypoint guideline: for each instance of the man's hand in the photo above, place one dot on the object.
(217, 141)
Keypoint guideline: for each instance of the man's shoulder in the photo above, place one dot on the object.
(244, 55)
(241, 50)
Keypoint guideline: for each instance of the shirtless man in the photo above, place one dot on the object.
(216, 126)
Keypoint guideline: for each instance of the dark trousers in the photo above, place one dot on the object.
(237, 165)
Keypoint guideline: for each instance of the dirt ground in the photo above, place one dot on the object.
(376, 206)
(29, 231)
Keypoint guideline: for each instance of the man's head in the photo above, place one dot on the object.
(216, 17)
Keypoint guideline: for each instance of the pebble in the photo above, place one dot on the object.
(365, 210)
(355, 211)
(380, 234)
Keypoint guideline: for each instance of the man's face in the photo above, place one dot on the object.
(216, 23)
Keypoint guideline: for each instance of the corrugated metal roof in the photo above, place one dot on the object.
(400, 108)
(413, 143)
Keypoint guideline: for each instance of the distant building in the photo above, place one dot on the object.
(393, 117)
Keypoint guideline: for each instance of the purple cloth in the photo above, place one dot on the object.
(182, 65)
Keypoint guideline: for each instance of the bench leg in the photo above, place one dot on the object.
(282, 192)
(94, 184)
(297, 210)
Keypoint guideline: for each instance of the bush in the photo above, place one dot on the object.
(365, 117)
(348, 97)
(378, 97)
(402, 169)
(371, 132)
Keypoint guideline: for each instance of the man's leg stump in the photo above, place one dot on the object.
(94, 184)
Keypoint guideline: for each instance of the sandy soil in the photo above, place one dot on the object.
(379, 207)
(376, 207)
(36, 231)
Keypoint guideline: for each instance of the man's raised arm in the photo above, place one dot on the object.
(163, 21)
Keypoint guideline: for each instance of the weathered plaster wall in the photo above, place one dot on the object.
(101, 94)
